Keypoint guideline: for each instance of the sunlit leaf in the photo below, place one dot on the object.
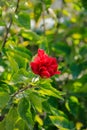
(77, 36)
(71, 103)
(32, 36)
(61, 122)
(21, 76)
(13, 64)
(79, 125)
(39, 120)
(47, 89)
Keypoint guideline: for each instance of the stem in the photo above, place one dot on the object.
(43, 16)
(10, 24)
(17, 6)
(21, 90)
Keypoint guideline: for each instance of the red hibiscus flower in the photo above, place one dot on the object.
(44, 65)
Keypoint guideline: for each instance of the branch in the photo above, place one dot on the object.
(7, 31)
(21, 90)
(8, 28)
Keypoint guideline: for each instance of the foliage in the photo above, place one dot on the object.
(27, 101)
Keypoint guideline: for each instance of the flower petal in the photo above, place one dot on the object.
(45, 74)
(58, 72)
(44, 65)
(40, 52)
(34, 67)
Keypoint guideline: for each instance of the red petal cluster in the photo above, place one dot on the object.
(44, 65)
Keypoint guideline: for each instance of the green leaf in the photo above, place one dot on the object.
(22, 51)
(57, 112)
(62, 48)
(72, 105)
(83, 51)
(77, 87)
(84, 4)
(37, 10)
(47, 89)
(25, 113)
(32, 36)
(4, 98)
(23, 19)
(43, 43)
(48, 3)
(36, 100)
(75, 69)
(21, 125)
(46, 106)
(13, 64)
(11, 119)
(21, 61)
(21, 76)
(61, 122)
(2, 125)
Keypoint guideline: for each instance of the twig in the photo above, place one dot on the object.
(7, 31)
(8, 28)
(21, 90)
(17, 6)
(43, 16)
